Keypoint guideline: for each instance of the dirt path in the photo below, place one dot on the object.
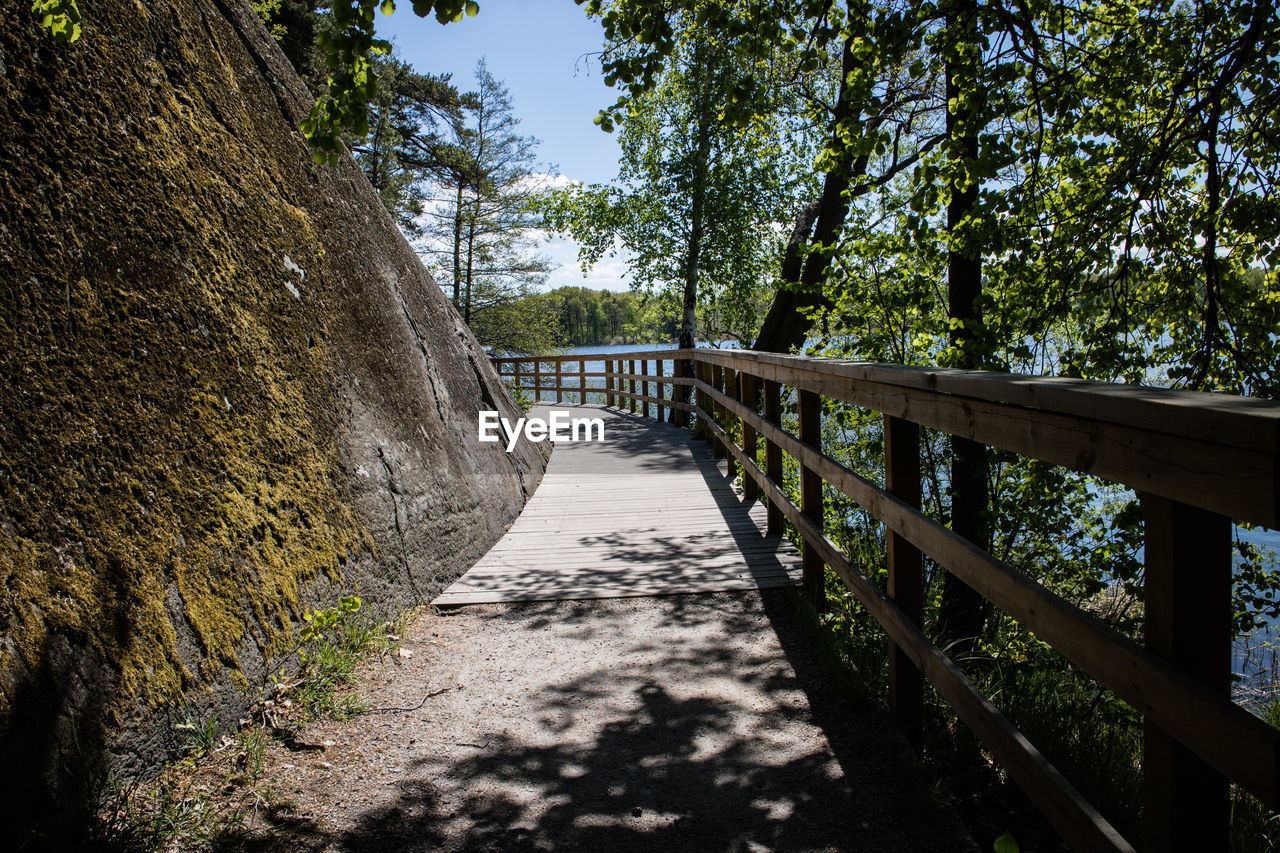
(695, 723)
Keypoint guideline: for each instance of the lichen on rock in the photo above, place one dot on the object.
(183, 411)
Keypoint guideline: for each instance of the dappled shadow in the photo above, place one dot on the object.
(685, 729)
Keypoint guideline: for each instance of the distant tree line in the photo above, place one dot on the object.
(600, 317)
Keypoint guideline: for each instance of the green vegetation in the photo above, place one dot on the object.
(202, 800)
(698, 203)
(601, 317)
(481, 235)
(405, 145)
(60, 17)
(331, 644)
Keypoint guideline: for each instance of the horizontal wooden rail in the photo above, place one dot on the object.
(649, 377)
(664, 355)
(1197, 460)
(1207, 450)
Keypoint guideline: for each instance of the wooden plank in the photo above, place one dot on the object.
(660, 519)
(631, 386)
(619, 356)
(730, 388)
(1245, 422)
(518, 573)
(456, 599)
(1228, 737)
(749, 397)
(702, 374)
(660, 384)
(1187, 566)
(666, 379)
(675, 404)
(717, 382)
(644, 385)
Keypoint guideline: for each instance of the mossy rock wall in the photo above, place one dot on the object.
(228, 389)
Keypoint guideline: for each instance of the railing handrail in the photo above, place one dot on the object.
(664, 354)
(1226, 418)
(1199, 460)
(1214, 451)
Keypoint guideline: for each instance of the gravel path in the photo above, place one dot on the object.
(695, 723)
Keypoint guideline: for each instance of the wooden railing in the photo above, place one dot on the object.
(1198, 461)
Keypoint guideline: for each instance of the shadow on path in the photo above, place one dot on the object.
(645, 724)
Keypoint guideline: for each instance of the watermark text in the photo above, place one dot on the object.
(559, 426)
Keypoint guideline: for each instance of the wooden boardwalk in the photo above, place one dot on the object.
(648, 511)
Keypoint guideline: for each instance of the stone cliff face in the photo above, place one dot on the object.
(228, 389)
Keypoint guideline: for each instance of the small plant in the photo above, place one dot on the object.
(331, 644)
(175, 811)
(523, 398)
(202, 736)
(1006, 844)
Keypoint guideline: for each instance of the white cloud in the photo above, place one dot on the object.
(610, 273)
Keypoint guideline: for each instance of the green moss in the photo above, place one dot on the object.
(166, 409)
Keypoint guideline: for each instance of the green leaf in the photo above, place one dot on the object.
(60, 17)
(388, 7)
(1005, 844)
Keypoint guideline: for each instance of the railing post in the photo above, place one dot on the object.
(537, 381)
(810, 404)
(631, 385)
(773, 454)
(717, 382)
(747, 396)
(608, 382)
(1187, 565)
(686, 368)
(702, 371)
(727, 421)
(644, 384)
(559, 379)
(906, 574)
(657, 371)
(582, 381)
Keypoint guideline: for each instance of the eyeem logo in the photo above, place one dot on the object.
(538, 430)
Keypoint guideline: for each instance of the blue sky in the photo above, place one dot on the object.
(542, 51)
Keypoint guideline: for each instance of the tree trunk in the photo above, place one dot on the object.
(787, 323)
(697, 204)
(457, 248)
(471, 255)
(962, 611)
(1209, 252)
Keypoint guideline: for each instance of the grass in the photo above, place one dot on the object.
(197, 802)
(203, 800)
